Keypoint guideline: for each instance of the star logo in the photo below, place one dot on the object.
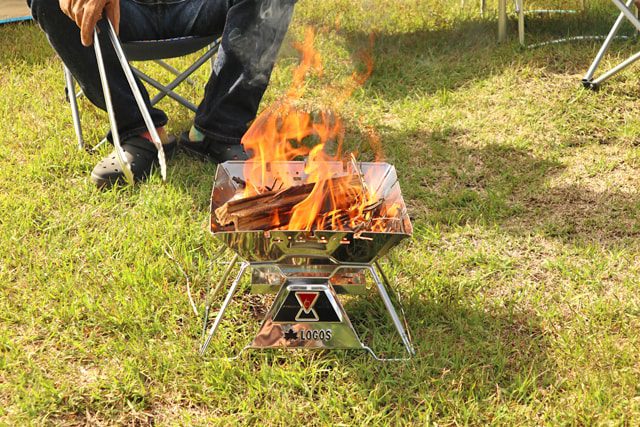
(290, 335)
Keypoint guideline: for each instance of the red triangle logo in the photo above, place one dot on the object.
(307, 299)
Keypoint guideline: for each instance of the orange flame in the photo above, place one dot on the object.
(282, 132)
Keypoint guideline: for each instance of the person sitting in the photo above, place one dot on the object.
(251, 31)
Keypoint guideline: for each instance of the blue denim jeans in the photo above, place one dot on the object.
(251, 30)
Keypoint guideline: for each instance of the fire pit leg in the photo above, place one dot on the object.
(392, 312)
(211, 293)
(387, 284)
(223, 308)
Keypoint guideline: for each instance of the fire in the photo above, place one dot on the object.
(282, 132)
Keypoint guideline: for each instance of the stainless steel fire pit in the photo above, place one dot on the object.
(309, 271)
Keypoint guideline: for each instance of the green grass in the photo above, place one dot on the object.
(520, 283)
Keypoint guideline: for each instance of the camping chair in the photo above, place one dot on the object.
(157, 51)
(522, 12)
(625, 13)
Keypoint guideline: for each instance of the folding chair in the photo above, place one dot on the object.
(522, 12)
(625, 13)
(157, 51)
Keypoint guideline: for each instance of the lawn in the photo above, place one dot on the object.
(520, 282)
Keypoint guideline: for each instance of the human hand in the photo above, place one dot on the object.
(87, 13)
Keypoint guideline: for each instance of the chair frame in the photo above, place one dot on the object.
(626, 13)
(521, 12)
(164, 90)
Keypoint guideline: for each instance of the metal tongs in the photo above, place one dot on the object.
(126, 167)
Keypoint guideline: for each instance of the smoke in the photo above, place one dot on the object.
(257, 47)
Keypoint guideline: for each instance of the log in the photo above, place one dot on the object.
(259, 212)
(263, 222)
(259, 209)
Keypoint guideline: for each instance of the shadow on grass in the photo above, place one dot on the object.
(448, 181)
(463, 353)
(427, 61)
(475, 353)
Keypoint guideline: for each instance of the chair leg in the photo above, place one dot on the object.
(99, 144)
(70, 89)
(626, 10)
(502, 20)
(605, 46)
(520, 8)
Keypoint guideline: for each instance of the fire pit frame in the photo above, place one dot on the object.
(310, 263)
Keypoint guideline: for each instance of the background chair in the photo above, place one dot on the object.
(157, 51)
(626, 13)
(522, 12)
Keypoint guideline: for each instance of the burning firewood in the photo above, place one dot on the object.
(274, 209)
